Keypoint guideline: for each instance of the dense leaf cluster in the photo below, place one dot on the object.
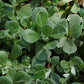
(41, 42)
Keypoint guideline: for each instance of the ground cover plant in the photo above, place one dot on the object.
(41, 41)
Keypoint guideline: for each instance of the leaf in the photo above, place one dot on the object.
(37, 62)
(55, 60)
(77, 61)
(83, 24)
(41, 19)
(74, 19)
(73, 71)
(46, 30)
(2, 34)
(46, 81)
(65, 65)
(21, 77)
(40, 16)
(12, 26)
(81, 12)
(52, 10)
(4, 70)
(69, 47)
(60, 29)
(11, 74)
(3, 57)
(75, 31)
(23, 41)
(65, 1)
(25, 21)
(39, 67)
(24, 11)
(1, 4)
(42, 55)
(74, 25)
(16, 51)
(5, 80)
(55, 78)
(53, 20)
(62, 42)
(59, 69)
(75, 8)
(39, 74)
(51, 45)
(30, 36)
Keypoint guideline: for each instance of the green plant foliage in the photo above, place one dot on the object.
(50, 45)
(21, 77)
(46, 30)
(30, 36)
(12, 26)
(2, 34)
(3, 57)
(16, 51)
(75, 8)
(41, 42)
(5, 80)
(23, 12)
(42, 55)
(69, 47)
(55, 60)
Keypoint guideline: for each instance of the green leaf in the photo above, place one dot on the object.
(75, 8)
(24, 11)
(73, 71)
(52, 21)
(42, 55)
(11, 74)
(55, 60)
(2, 34)
(5, 80)
(21, 77)
(52, 10)
(69, 47)
(46, 81)
(65, 1)
(40, 16)
(46, 30)
(1, 4)
(3, 57)
(77, 61)
(61, 42)
(41, 19)
(12, 26)
(4, 70)
(23, 41)
(39, 74)
(59, 69)
(74, 19)
(16, 51)
(39, 67)
(30, 36)
(25, 21)
(37, 62)
(65, 65)
(51, 45)
(81, 12)
(60, 29)
(75, 31)
(55, 78)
